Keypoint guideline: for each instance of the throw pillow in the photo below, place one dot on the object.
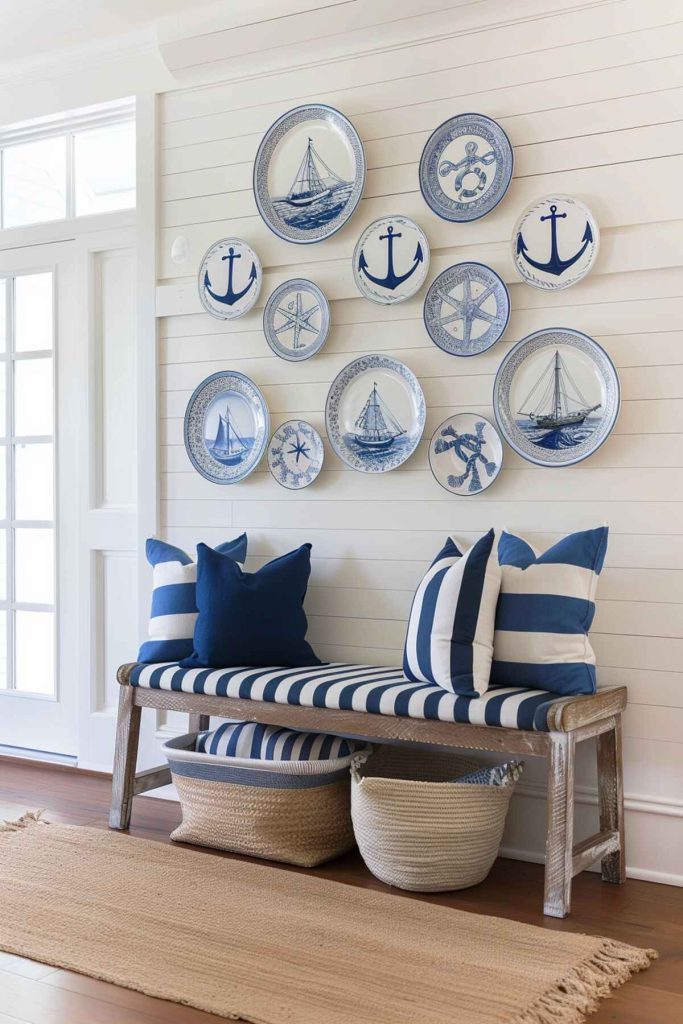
(272, 743)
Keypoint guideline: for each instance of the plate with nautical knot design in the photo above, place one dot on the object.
(295, 454)
(226, 427)
(465, 453)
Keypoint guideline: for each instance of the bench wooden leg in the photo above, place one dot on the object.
(559, 838)
(611, 800)
(199, 723)
(125, 759)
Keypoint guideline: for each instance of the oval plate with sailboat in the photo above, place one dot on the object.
(295, 454)
(375, 414)
(296, 319)
(556, 397)
(229, 279)
(309, 173)
(226, 427)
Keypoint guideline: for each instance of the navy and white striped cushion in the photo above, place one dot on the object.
(174, 602)
(546, 607)
(271, 743)
(381, 691)
(450, 631)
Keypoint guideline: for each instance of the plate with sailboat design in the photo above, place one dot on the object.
(466, 309)
(295, 454)
(296, 320)
(556, 397)
(375, 414)
(465, 453)
(229, 279)
(226, 427)
(309, 173)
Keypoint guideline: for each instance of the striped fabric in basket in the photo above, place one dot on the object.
(272, 743)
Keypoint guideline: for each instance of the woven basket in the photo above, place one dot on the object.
(292, 811)
(418, 831)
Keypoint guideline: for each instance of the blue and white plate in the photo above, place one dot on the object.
(555, 242)
(556, 397)
(229, 279)
(391, 260)
(466, 167)
(309, 173)
(375, 414)
(295, 454)
(465, 453)
(226, 427)
(466, 309)
(296, 320)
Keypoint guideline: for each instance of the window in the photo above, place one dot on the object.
(70, 166)
(27, 529)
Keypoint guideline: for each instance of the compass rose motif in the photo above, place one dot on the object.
(466, 309)
(295, 454)
(296, 319)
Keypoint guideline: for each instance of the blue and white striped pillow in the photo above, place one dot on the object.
(450, 630)
(271, 743)
(546, 607)
(174, 601)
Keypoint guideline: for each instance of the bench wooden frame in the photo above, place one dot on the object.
(597, 716)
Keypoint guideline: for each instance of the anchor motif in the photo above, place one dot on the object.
(468, 165)
(392, 280)
(230, 297)
(555, 264)
(468, 448)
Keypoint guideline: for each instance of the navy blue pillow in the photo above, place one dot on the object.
(254, 619)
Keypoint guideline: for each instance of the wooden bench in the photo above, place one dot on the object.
(569, 722)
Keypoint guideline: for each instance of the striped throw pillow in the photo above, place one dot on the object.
(450, 630)
(271, 743)
(545, 610)
(174, 602)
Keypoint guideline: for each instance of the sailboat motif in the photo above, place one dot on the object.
(228, 447)
(377, 424)
(555, 401)
(310, 185)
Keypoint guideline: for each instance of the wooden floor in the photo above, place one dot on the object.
(638, 912)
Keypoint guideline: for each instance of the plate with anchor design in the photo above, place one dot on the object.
(556, 397)
(226, 427)
(229, 279)
(296, 319)
(309, 173)
(391, 260)
(466, 167)
(295, 454)
(465, 453)
(375, 414)
(466, 309)
(555, 242)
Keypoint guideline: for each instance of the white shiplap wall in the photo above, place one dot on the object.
(590, 95)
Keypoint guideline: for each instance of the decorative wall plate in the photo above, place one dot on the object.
(555, 242)
(556, 397)
(375, 414)
(465, 453)
(391, 260)
(296, 319)
(226, 427)
(229, 279)
(466, 167)
(295, 454)
(466, 309)
(309, 173)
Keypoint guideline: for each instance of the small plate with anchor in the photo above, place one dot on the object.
(466, 309)
(466, 167)
(309, 173)
(295, 454)
(391, 260)
(296, 320)
(229, 279)
(375, 414)
(226, 427)
(465, 453)
(555, 242)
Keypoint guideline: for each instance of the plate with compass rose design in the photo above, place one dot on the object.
(466, 309)
(391, 260)
(229, 279)
(295, 454)
(296, 320)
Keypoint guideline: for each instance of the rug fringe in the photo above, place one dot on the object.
(579, 992)
(25, 821)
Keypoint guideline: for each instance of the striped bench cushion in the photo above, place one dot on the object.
(381, 691)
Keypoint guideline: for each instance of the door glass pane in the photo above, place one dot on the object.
(3, 482)
(3, 314)
(34, 566)
(34, 182)
(104, 171)
(32, 312)
(3, 565)
(34, 652)
(34, 481)
(3, 650)
(3, 408)
(33, 397)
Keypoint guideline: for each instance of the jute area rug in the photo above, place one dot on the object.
(274, 947)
